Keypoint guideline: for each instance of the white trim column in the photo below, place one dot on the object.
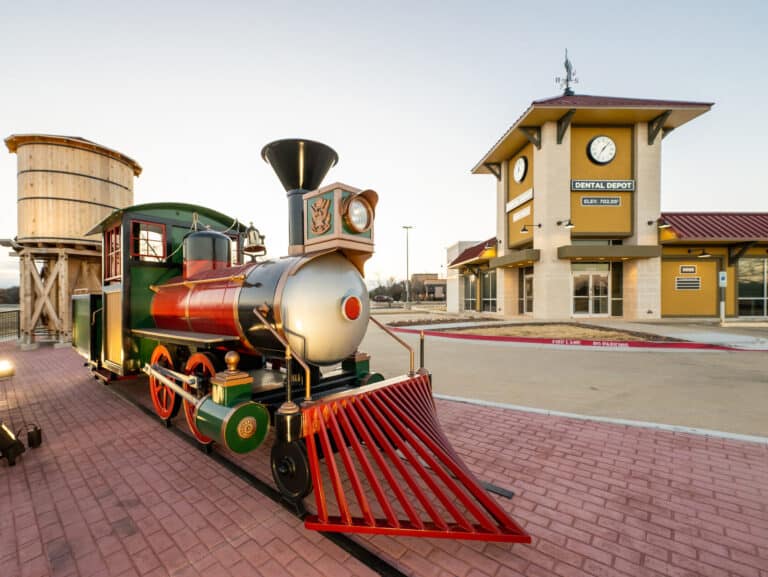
(642, 277)
(551, 202)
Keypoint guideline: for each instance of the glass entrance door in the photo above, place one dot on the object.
(591, 292)
(528, 293)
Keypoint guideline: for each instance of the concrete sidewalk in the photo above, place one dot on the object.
(742, 336)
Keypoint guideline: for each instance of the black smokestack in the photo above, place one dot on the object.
(301, 166)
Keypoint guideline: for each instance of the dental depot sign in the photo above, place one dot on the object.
(603, 185)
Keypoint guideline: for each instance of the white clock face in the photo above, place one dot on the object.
(521, 166)
(601, 149)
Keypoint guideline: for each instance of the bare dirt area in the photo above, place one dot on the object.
(570, 331)
(562, 331)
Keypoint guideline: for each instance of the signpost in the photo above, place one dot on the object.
(722, 282)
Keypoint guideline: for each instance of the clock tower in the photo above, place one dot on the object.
(578, 186)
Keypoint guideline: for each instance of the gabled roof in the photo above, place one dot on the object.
(15, 140)
(718, 226)
(475, 253)
(589, 109)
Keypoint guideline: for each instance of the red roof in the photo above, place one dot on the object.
(589, 101)
(718, 225)
(589, 109)
(474, 251)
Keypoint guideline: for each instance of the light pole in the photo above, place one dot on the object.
(407, 271)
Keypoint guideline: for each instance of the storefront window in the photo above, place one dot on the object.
(752, 294)
(488, 284)
(470, 292)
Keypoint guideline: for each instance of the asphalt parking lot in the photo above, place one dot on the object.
(719, 390)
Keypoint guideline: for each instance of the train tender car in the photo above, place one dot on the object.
(237, 341)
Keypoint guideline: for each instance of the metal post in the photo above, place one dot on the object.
(407, 268)
(288, 374)
(421, 351)
(722, 305)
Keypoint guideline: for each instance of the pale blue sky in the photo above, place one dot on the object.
(410, 94)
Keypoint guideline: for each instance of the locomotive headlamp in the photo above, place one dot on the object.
(358, 215)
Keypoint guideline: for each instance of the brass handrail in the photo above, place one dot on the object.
(279, 337)
(191, 283)
(389, 331)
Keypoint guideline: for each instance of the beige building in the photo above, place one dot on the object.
(579, 232)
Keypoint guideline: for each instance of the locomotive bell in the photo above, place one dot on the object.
(301, 166)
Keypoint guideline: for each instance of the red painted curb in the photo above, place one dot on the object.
(573, 342)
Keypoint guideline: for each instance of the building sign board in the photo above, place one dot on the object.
(519, 200)
(600, 201)
(687, 269)
(522, 213)
(603, 185)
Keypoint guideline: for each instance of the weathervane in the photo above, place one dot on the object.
(570, 77)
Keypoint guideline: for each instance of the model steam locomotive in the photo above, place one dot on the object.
(235, 343)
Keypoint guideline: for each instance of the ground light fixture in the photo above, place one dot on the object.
(525, 228)
(566, 223)
(10, 446)
(7, 369)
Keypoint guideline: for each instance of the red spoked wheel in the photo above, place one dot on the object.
(200, 365)
(164, 399)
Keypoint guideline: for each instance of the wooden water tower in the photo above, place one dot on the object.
(66, 185)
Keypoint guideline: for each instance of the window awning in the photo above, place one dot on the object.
(516, 258)
(479, 253)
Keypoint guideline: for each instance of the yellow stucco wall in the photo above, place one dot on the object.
(517, 238)
(620, 168)
(601, 220)
(516, 188)
(701, 302)
(718, 260)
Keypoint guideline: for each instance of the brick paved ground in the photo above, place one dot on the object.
(112, 492)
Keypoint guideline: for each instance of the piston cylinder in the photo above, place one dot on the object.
(241, 428)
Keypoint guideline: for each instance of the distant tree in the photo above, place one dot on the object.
(379, 290)
(418, 291)
(9, 296)
(397, 291)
